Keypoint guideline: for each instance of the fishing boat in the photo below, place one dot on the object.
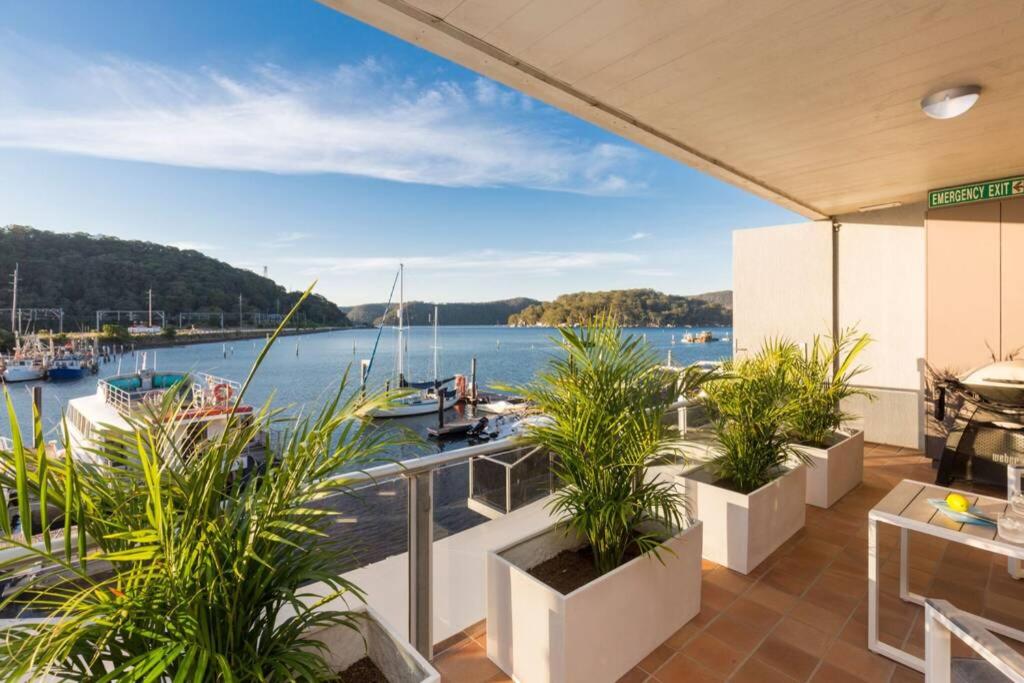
(702, 337)
(67, 364)
(22, 368)
(206, 402)
(27, 363)
(427, 397)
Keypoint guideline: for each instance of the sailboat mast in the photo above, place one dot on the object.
(435, 345)
(14, 307)
(400, 366)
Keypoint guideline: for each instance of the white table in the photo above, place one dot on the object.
(907, 508)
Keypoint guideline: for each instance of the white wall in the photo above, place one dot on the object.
(782, 283)
(783, 278)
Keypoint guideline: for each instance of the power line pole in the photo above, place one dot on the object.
(239, 311)
(151, 307)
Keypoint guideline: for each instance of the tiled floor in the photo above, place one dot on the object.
(802, 614)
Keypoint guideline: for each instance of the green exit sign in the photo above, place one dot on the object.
(976, 192)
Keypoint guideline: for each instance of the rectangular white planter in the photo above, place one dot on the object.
(375, 639)
(741, 530)
(835, 470)
(597, 632)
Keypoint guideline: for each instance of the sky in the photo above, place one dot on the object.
(283, 134)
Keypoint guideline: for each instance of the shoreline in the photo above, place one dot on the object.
(158, 342)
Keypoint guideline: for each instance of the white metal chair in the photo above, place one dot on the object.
(999, 662)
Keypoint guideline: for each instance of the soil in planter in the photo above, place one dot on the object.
(571, 569)
(363, 671)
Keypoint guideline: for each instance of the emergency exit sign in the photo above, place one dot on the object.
(976, 192)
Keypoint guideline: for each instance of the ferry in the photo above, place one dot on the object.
(703, 337)
(208, 402)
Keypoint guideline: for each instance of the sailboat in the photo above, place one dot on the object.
(27, 363)
(425, 401)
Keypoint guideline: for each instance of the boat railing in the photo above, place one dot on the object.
(212, 390)
(116, 397)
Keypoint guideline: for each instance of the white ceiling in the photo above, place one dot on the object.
(810, 103)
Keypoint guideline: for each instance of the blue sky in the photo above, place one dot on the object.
(284, 134)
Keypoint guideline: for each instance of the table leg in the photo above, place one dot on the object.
(874, 576)
(904, 562)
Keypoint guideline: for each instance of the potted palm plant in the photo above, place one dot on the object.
(156, 563)
(822, 380)
(750, 493)
(619, 570)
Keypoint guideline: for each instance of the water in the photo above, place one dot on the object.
(373, 518)
(304, 380)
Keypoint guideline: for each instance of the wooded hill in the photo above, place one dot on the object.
(82, 273)
(421, 313)
(633, 308)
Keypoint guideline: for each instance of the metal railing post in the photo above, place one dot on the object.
(508, 489)
(421, 546)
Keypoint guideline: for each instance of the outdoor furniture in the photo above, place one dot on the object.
(907, 508)
(999, 661)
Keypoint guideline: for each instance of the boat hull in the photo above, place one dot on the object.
(413, 409)
(65, 374)
(22, 374)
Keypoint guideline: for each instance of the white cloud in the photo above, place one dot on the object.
(638, 236)
(487, 261)
(286, 239)
(194, 246)
(358, 119)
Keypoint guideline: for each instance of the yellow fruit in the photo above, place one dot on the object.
(957, 502)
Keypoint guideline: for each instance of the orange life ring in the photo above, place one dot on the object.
(222, 392)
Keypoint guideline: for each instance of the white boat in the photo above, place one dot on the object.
(27, 363)
(430, 394)
(501, 406)
(208, 402)
(19, 368)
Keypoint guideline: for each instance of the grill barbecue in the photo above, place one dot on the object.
(988, 433)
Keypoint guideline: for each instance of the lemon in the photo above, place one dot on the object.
(957, 502)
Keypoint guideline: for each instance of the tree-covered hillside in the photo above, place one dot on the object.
(82, 273)
(421, 313)
(633, 307)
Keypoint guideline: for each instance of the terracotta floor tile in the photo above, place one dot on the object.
(731, 581)
(787, 658)
(756, 671)
(753, 614)
(739, 634)
(682, 669)
(678, 639)
(865, 665)
(715, 596)
(634, 675)
(821, 619)
(769, 597)
(704, 617)
(655, 659)
(713, 654)
(904, 675)
(466, 663)
(827, 673)
(800, 635)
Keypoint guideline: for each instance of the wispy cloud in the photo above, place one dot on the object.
(285, 239)
(636, 236)
(489, 261)
(359, 119)
(194, 246)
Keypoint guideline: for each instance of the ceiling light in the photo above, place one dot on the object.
(951, 102)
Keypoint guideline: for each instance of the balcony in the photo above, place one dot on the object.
(801, 615)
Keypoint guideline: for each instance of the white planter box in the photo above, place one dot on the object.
(599, 631)
(835, 470)
(741, 530)
(396, 658)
